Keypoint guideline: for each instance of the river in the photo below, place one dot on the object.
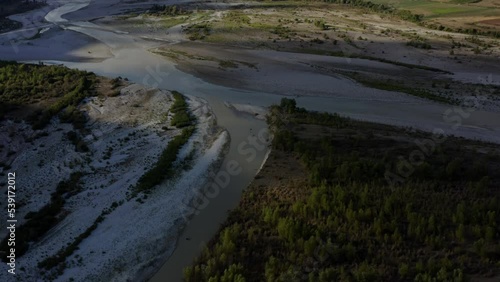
(132, 60)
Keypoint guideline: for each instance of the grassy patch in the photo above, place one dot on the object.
(444, 13)
(419, 44)
(166, 16)
(164, 167)
(170, 22)
(282, 31)
(235, 19)
(198, 31)
(182, 117)
(398, 87)
(178, 54)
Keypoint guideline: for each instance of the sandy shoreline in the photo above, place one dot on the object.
(136, 136)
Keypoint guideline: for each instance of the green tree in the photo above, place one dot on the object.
(404, 270)
(460, 233)
(289, 105)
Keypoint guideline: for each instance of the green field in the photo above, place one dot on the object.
(434, 9)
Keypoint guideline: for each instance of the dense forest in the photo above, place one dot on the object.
(347, 220)
(42, 92)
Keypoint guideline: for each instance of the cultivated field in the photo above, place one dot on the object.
(454, 13)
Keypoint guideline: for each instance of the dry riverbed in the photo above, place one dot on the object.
(249, 45)
(125, 135)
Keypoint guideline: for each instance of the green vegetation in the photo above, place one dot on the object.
(164, 10)
(182, 117)
(433, 8)
(345, 222)
(381, 8)
(282, 31)
(475, 40)
(419, 44)
(399, 86)
(234, 19)
(38, 223)
(166, 16)
(428, 13)
(237, 26)
(72, 98)
(198, 31)
(44, 91)
(321, 24)
(223, 64)
(164, 167)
